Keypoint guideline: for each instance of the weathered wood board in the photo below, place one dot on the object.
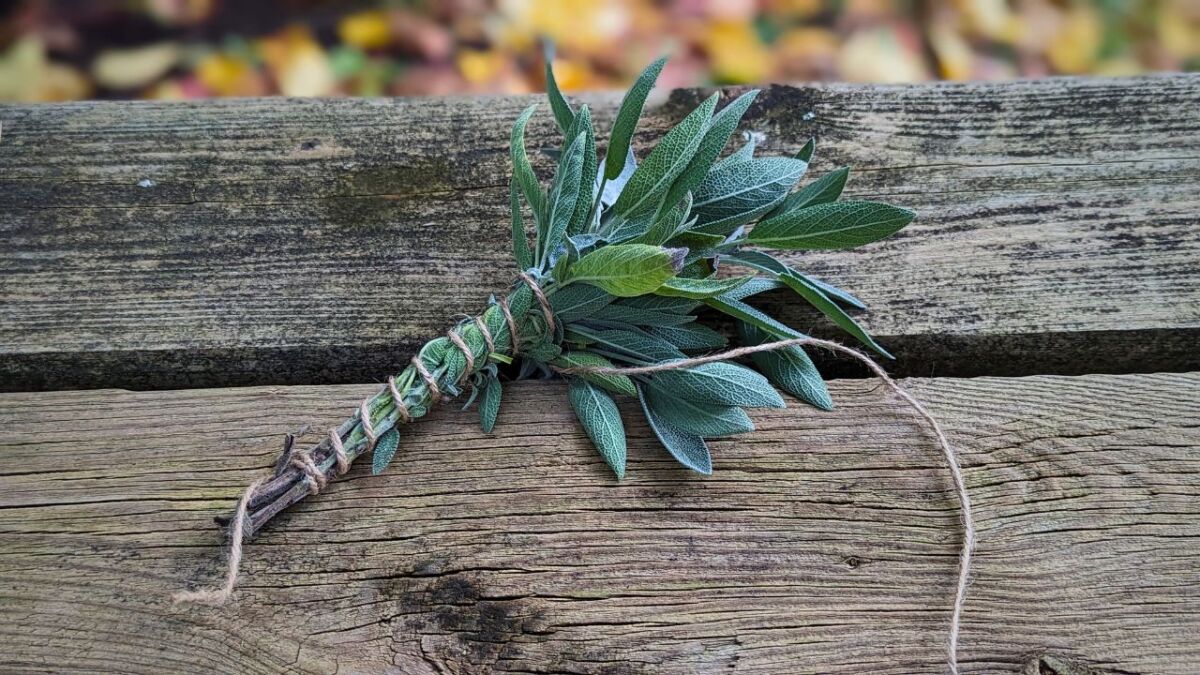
(307, 241)
(824, 542)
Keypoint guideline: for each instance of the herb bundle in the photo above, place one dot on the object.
(623, 256)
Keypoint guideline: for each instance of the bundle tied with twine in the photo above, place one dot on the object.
(315, 479)
(618, 258)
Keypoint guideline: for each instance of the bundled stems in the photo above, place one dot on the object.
(441, 367)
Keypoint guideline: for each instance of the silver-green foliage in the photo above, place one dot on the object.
(627, 254)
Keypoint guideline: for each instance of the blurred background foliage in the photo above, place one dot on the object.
(52, 50)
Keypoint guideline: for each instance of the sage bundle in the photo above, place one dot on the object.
(607, 294)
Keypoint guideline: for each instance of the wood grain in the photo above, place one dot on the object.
(309, 241)
(824, 542)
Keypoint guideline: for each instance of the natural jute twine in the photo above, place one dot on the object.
(316, 480)
(960, 486)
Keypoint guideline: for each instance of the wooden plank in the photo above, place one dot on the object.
(824, 541)
(306, 241)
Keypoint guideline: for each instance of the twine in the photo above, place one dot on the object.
(466, 352)
(487, 334)
(960, 487)
(434, 392)
(515, 337)
(398, 401)
(541, 298)
(237, 531)
(364, 419)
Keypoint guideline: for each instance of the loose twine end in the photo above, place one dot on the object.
(237, 533)
(960, 487)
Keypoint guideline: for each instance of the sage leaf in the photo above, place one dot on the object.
(650, 182)
(697, 241)
(523, 171)
(763, 262)
(692, 337)
(563, 194)
(740, 310)
(824, 190)
(384, 450)
(720, 383)
(627, 345)
(805, 153)
(742, 154)
(571, 303)
(753, 287)
(587, 189)
(831, 226)
(489, 403)
(662, 304)
(836, 314)
(562, 110)
(716, 137)
(702, 419)
(577, 358)
(789, 368)
(767, 263)
(601, 420)
(627, 270)
(735, 194)
(520, 240)
(627, 118)
(667, 224)
(641, 317)
(699, 289)
(832, 292)
(687, 448)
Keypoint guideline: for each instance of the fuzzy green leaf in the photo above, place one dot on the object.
(520, 240)
(617, 384)
(652, 179)
(832, 292)
(702, 419)
(692, 337)
(563, 195)
(687, 448)
(720, 383)
(601, 420)
(627, 119)
(753, 287)
(716, 137)
(562, 110)
(789, 368)
(627, 270)
(831, 226)
(737, 193)
(662, 304)
(741, 311)
(640, 317)
(587, 188)
(698, 289)
(742, 154)
(767, 263)
(626, 345)
(384, 450)
(836, 314)
(667, 224)
(523, 171)
(489, 403)
(806, 152)
(571, 303)
(824, 190)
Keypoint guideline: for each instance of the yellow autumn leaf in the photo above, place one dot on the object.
(137, 67)
(365, 30)
(736, 54)
(1073, 49)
